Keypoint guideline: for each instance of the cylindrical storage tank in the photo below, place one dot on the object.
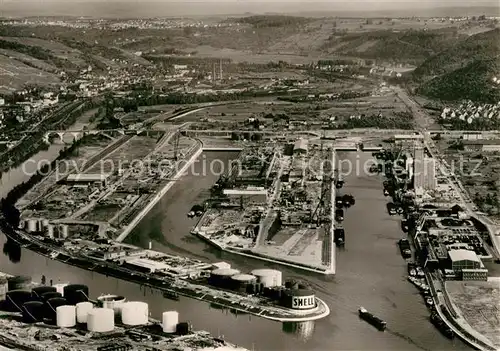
(135, 313)
(37, 292)
(33, 311)
(170, 319)
(114, 302)
(63, 231)
(50, 295)
(4, 287)
(299, 299)
(268, 277)
(15, 299)
(60, 287)
(76, 293)
(222, 277)
(44, 223)
(66, 316)
(31, 225)
(82, 311)
(19, 282)
(51, 308)
(240, 282)
(101, 320)
(182, 328)
(50, 231)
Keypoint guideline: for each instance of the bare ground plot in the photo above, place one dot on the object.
(132, 152)
(478, 172)
(14, 75)
(303, 246)
(101, 212)
(478, 303)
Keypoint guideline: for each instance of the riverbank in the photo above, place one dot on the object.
(178, 284)
(13, 333)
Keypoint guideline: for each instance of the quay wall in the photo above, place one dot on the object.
(158, 196)
(333, 247)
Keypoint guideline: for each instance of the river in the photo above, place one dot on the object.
(370, 272)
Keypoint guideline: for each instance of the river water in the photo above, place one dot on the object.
(370, 272)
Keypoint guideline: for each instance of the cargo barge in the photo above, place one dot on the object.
(373, 320)
(259, 294)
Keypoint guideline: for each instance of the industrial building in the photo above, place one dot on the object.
(255, 196)
(83, 179)
(481, 145)
(466, 265)
(424, 171)
(300, 147)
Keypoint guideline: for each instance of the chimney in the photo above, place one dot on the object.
(220, 69)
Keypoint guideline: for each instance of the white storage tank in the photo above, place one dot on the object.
(31, 225)
(170, 319)
(60, 287)
(101, 320)
(135, 313)
(268, 277)
(82, 311)
(66, 316)
(114, 302)
(63, 231)
(45, 223)
(50, 231)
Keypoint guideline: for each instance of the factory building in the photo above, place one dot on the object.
(145, 265)
(467, 265)
(82, 179)
(424, 171)
(481, 145)
(255, 196)
(300, 147)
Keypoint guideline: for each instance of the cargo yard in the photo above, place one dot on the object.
(61, 317)
(275, 203)
(103, 186)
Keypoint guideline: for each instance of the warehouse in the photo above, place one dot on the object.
(256, 196)
(467, 265)
(479, 145)
(300, 147)
(82, 179)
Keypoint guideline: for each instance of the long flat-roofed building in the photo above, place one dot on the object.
(256, 196)
(88, 179)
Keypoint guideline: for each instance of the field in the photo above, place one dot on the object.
(479, 174)
(14, 75)
(478, 303)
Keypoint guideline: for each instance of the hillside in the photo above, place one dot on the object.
(465, 71)
(481, 46)
(474, 82)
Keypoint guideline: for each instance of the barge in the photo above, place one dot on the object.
(372, 319)
(180, 276)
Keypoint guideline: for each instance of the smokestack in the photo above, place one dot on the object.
(220, 69)
(213, 73)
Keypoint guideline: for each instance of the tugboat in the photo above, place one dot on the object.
(373, 320)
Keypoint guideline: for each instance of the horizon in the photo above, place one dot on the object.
(175, 8)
